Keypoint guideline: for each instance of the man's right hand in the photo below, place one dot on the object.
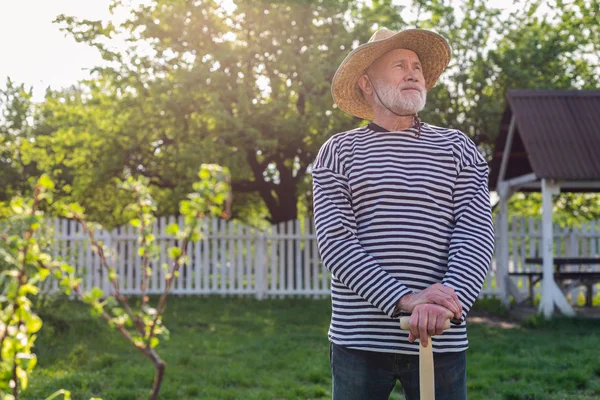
(435, 294)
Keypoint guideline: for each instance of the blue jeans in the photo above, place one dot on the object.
(369, 375)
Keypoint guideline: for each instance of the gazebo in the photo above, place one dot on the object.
(549, 141)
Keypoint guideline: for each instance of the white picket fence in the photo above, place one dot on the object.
(230, 259)
(235, 259)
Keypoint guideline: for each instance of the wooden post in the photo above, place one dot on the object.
(503, 252)
(260, 273)
(547, 303)
(551, 293)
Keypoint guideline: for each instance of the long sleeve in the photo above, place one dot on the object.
(340, 249)
(472, 240)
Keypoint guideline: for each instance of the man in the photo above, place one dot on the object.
(403, 222)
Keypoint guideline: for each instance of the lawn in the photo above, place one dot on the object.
(236, 348)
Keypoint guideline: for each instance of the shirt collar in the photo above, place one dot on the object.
(374, 127)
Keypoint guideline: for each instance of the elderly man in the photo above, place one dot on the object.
(403, 222)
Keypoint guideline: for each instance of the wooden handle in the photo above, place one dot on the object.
(426, 370)
(405, 324)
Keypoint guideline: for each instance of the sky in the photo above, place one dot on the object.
(34, 51)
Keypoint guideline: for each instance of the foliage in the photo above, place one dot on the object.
(16, 128)
(570, 209)
(22, 260)
(28, 265)
(493, 52)
(246, 84)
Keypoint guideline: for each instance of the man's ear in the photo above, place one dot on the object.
(364, 83)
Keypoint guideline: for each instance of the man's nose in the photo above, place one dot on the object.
(412, 76)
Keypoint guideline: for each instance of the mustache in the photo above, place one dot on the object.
(411, 85)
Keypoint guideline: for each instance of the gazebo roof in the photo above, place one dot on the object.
(556, 136)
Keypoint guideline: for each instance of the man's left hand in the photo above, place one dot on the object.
(427, 320)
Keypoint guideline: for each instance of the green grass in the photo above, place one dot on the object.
(236, 348)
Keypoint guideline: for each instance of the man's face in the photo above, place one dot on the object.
(397, 77)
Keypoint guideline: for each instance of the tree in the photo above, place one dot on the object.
(260, 78)
(492, 53)
(16, 129)
(249, 87)
(559, 50)
(26, 261)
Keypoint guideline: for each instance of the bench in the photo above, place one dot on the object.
(582, 276)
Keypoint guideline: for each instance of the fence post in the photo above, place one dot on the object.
(259, 262)
(573, 243)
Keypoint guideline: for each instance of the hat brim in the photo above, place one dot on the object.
(431, 48)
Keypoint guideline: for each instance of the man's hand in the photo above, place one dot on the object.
(435, 294)
(427, 320)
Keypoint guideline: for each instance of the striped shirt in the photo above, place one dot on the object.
(394, 213)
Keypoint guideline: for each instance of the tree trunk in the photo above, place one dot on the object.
(160, 366)
(281, 199)
(286, 208)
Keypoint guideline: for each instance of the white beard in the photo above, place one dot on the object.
(403, 103)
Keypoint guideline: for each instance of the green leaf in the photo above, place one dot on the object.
(174, 252)
(46, 182)
(65, 393)
(22, 376)
(97, 293)
(172, 229)
(30, 362)
(204, 174)
(154, 342)
(67, 269)
(29, 288)
(34, 323)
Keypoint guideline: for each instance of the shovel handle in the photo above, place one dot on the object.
(426, 370)
(405, 324)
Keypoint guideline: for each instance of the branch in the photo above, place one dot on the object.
(114, 281)
(284, 172)
(142, 348)
(305, 160)
(264, 188)
(301, 172)
(170, 276)
(159, 180)
(104, 314)
(14, 376)
(301, 103)
(145, 261)
(251, 186)
(265, 163)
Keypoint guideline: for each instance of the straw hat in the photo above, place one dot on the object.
(431, 48)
